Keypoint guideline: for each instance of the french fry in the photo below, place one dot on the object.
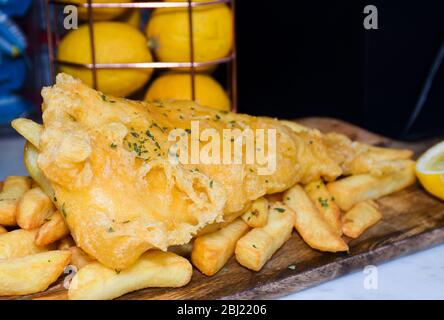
(384, 154)
(13, 189)
(324, 202)
(30, 156)
(66, 243)
(310, 223)
(54, 229)
(33, 209)
(153, 269)
(18, 243)
(377, 160)
(255, 248)
(29, 129)
(294, 126)
(32, 273)
(79, 258)
(257, 215)
(211, 251)
(3, 230)
(361, 217)
(354, 189)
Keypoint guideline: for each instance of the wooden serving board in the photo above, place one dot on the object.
(412, 221)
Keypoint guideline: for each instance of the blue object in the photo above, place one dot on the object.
(16, 8)
(11, 107)
(12, 73)
(12, 40)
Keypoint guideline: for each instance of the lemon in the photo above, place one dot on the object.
(177, 86)
(115, 42)
(430, 170)
(168, 33)
(101, 13)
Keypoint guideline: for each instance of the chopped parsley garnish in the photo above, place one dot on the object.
(211, 184)
(117, 271)
(158, 103)
(157, 126)
(323, 202)
(134, 134)
(110, 230)
(64, 211)
(254, 246)
(291, 267)
(217, 117)
(279, 210)
(137, 149)
(113, 145)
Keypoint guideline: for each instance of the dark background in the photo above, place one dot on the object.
(314, 58)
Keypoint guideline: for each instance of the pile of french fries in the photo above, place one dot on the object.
(36, 246)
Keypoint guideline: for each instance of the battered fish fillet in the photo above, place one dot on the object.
(107, 160)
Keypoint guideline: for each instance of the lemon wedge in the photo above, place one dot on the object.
(430, 170)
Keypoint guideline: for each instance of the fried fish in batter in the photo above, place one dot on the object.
(107, 161)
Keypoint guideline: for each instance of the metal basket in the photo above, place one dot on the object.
(53, 39)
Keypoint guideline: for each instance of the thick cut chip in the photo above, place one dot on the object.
(153, 269)
(32, 273)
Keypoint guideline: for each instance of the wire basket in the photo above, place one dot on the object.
(53, 39)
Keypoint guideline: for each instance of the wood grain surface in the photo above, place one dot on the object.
(412, 221)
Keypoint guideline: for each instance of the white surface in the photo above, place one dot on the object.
(418, 276)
